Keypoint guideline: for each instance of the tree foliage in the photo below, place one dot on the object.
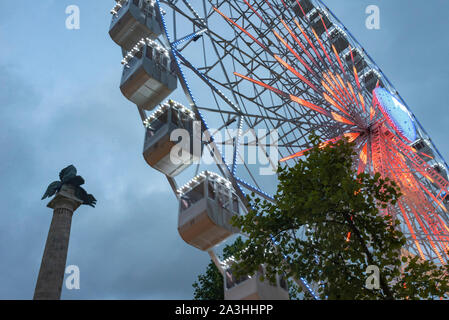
(328, 229)
(210, 285)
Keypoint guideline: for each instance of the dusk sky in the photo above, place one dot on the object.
(61, 104)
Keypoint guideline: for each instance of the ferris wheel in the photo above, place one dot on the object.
(265, 74)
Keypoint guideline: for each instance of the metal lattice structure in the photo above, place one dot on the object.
(292, 67)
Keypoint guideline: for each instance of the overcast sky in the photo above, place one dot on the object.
(60, 104)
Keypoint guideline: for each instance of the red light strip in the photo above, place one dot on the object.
(302, 48)
(352, 136)
(308, 40)
(251, 7)
(362, 101)
(341, 119)
(353, 94)
(354, 69)
(340, 89)
(296, 155)
(260, 83)
(269, 5)
(372, 113)
(302, 152)
(335, 91)
(363, 158)
(348, 96)
(335, 104)
(301, 8)
(241, 28)
(412, 232)
(286, 95)
(348, 237)
(296, 73)
(322, 48)
(432, 244)
(426, 155)
(308, 105)
(338, 59)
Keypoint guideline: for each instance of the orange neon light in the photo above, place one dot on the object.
(352, 136)
(432, 244)
(412, 232)
(251, 7)
(344, 87)
(302, 47)
(308, 40)
(364, 154)
(286, 95)
(340, 89)
(302, 152)
(348, 237)
(332, 102)
(356, 75)
(372, 113)
(362, 100)
(308, 105)
(241, 28)
(426, 155)
(296, 73)
(322, 47)
(341, 119)
(335, 92)
(260, 83)
(338, 59)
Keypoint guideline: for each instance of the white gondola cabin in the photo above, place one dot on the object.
(301, 7)
(441, 170)
(207, 204)
(339, 39)
(319, 20)
(359, 61)
(252, 288)
(133, 20)
(372, 79)
(157, 149)
(149, 75)
(424, 148)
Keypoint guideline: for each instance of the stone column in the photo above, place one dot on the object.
(51, 274)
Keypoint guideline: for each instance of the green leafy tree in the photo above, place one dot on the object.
(328, 230)
(210, 285)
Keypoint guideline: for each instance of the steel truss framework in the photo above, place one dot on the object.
(276, 65)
